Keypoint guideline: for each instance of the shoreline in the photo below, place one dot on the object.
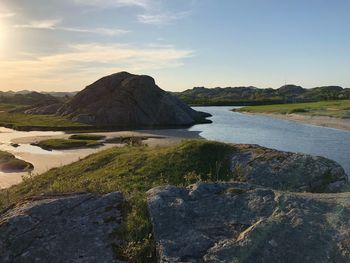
(321, 121)
(43, 162)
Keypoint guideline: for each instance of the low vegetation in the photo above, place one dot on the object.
(337, 109)
(20, 121)
(65, 144)
(128, 140)
(9, 163)
(85, 136)
(133, 171)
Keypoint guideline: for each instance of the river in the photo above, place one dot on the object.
(234, 127)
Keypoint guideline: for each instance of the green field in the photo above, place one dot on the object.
(20, 121)
(337, 109)
(133, 171)
(65, 144)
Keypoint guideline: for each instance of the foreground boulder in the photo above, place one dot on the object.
(63, 228)
(285, 170)
(126, 100)
(239, 222)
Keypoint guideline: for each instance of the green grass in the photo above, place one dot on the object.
(65, 144)
(9, 163)
(21, 121)
(336, 109)
(133, 171)
(10, 107)
(85, 136)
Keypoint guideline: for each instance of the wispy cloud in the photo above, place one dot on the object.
(155, 12)
(86, 62)
(42, 24)
(54, 24)
(101, 30)
(6, 15)
(116, 3)
(161, 18)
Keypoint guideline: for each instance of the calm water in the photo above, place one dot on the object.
(283, 135)
(7, 135)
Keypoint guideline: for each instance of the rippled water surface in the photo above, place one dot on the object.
(283, 135)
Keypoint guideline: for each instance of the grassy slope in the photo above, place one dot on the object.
(65, 144)
(132, 170)
(337, 109)
(9, 163)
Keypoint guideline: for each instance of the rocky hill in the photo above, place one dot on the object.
(125, 100)
(256, 96)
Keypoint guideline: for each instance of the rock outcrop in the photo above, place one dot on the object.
(285, 170)
(62, 228)
(127, 100)
(239, 222)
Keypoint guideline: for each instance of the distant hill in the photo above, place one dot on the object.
(30, 98)
(11, 93)
(255, 96)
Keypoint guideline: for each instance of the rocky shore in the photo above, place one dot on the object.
(275, 207)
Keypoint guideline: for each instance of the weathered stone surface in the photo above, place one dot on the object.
(127, 100)
(64, 228)
(239, 222)
(286, 171)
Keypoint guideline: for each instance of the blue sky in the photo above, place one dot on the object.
(65, 45)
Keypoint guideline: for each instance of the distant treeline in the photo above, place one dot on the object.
(242, 96)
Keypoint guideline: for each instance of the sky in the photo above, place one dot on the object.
(65, 45)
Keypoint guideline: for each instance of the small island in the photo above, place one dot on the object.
(10, 164)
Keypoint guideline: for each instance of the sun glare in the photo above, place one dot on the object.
(2, 32)
(2, 37)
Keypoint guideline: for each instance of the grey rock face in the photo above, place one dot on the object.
(65, 228)
(286, 171)
(239, 222)
(127, 100)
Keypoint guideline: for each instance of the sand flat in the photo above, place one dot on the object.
(45, 160)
